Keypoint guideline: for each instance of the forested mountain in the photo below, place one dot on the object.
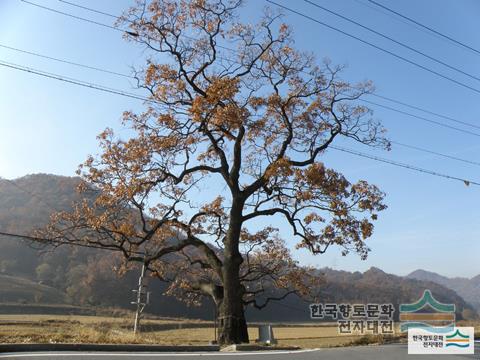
(376, 286)
(26, 204)
(85, 276)
(469, 289)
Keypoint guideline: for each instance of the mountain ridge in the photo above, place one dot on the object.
(467, 288)
(85, 276)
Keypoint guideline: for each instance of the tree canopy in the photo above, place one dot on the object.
(227, 149)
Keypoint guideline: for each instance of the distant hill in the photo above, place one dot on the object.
(26, 204)
(469, 289)
(376, 286)
(21, 290)
(80, 276)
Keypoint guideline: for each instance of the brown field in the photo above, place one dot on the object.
(103, 329)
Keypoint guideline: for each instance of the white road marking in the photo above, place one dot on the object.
(137, 354)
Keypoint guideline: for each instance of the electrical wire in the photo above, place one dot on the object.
(392, 16)
(130, 95)
(435, 153)
(89, 9)
(426, 111)
(118, 18)
(438, 123)
(60, 242)
(281, 6)
(54, 241)
(391, 53)
(230, 49)
(72, 16)
(118, 92)
(65, 61)
(122, 93)
(378, 33)
(21, 188)
(72, 81)
(44, 240)
(436, 32)
(404, 165)
(89, 85)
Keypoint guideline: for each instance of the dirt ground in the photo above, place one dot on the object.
(118, 330)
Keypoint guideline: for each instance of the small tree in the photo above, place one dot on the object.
(229, 141)
(7, 266)
(45, 273)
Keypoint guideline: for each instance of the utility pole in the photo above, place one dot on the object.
(215, 322)
(141, 301)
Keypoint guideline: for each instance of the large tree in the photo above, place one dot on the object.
(229, 143)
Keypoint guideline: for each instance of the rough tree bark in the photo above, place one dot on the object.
(233, 326)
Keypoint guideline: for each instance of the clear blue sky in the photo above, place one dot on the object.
(432, 223)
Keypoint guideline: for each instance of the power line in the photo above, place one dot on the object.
(123, 93)
(393, 40)
(403, 165)
(438, 123)
(400, 57)
(375, 95)
(435, 153)
(60, 242)
(54, 241)
(117, 18)
(65, 61)
(118, 92)
(384, 50)
(89, 9)
(93, 86)
(21, 188)
(72, 16)
(393, 16)
(78, 82)
(72, 81)
(96, 22)
(370, 6)
(426, 111)
(436, 32)
(37, 239)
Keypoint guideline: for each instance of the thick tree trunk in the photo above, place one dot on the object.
(232, 326)
(232, 323)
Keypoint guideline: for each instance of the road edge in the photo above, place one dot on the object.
(106, 347)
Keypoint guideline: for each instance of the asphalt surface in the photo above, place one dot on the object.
(389, 352)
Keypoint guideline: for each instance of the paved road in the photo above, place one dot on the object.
(388, 352)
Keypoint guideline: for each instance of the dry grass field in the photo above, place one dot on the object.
(97, 329)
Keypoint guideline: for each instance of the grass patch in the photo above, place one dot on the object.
(165, 331)
(377, 339)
